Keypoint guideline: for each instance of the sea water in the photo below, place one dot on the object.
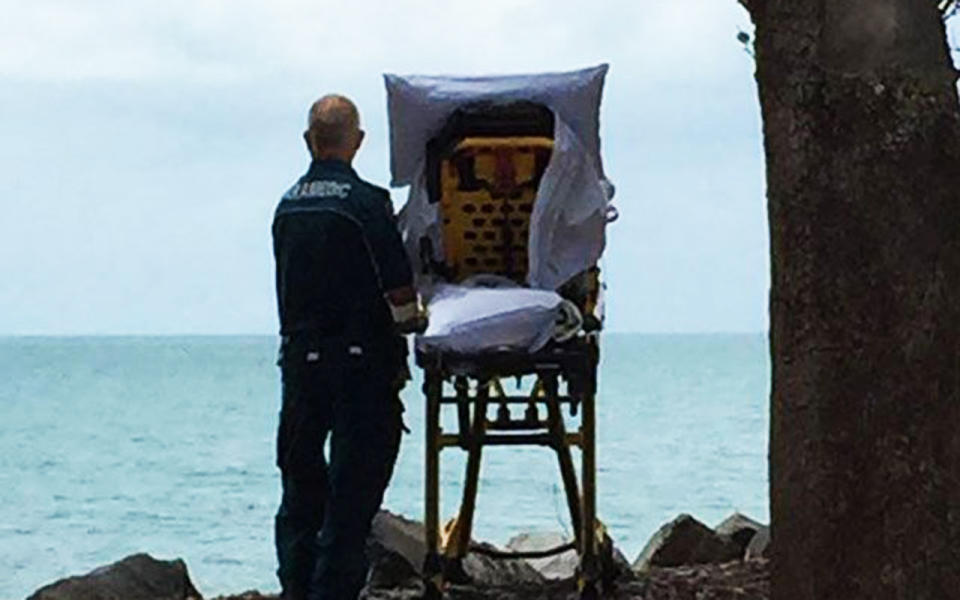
(116, 445)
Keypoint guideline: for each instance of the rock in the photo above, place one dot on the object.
(560, 566)
(408, 593)
(551, 590)
(759, 546)
(136, 577)
(729, 581)
(739, 528)
(484, 570)
(396, 550)
(249, 595)
(685, 541)
(620, 561)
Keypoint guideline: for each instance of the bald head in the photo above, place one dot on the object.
(333, 128)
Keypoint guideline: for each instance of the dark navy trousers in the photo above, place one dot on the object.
(327, 506)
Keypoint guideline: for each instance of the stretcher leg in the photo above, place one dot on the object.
(432, 568)
(463, 529)
(589, 565)
(567, 473)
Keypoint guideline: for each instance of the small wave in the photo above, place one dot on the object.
(20, 531)
(136, 514)
(221, 560)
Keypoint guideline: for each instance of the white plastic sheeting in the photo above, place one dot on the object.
(468, 320)
(567, 233)
(418, 106)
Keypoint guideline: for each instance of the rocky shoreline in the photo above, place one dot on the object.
(684, 560)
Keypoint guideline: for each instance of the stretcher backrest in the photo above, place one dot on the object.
(484, 169)
(488, 186)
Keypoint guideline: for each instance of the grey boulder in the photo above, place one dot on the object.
(685, 541)
(759, 546)
(559, 566)
(136, 577)
(739, 528)
(396, 550)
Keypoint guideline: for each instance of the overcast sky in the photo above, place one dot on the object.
(144, 145)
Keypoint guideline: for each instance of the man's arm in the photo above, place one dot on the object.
(396, 274)
(407, 312)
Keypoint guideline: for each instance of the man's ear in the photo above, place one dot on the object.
(306, 139)
(360, 135)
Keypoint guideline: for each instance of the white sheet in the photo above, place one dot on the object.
(418, 106)
(469, 320)
(567, 233)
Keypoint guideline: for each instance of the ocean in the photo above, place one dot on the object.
(116, 445)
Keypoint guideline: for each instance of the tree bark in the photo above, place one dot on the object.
(862, 141)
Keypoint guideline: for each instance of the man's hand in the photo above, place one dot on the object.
(408, 314)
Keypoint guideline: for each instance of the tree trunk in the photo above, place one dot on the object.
(862, 140)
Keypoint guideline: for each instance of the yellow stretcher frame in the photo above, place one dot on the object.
(472, 388)
(487, 185)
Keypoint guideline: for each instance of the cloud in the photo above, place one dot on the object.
(76, 40)
(148, 209)
(221, 41)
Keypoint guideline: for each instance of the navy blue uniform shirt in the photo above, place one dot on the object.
(337, 251)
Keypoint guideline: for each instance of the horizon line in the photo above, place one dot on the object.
(4, 335)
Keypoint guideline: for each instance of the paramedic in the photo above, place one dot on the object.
(344, 294)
